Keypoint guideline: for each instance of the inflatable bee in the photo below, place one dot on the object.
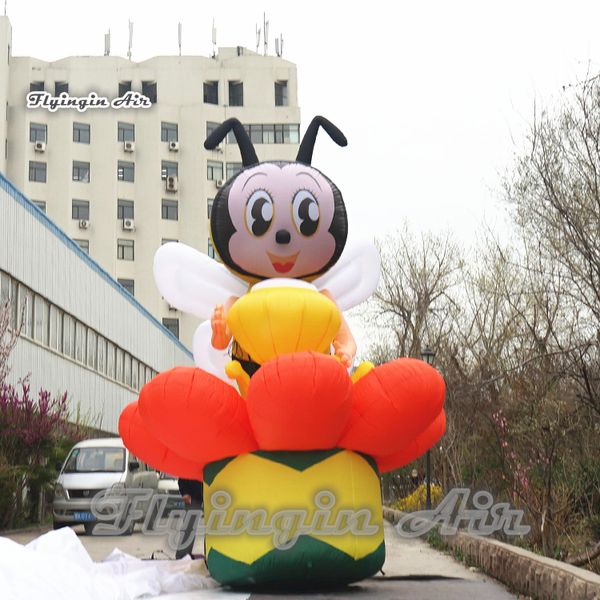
(270, 418)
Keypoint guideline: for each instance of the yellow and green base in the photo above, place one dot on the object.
(293, 519)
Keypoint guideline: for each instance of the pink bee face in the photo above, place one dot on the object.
(283, 221)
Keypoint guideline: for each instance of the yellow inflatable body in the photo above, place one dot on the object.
(270, 320)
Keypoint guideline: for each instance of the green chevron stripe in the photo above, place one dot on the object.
(211, 470)
(310, 563)
(300, 460)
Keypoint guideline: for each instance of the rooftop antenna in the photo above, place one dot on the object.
(279, 45)
(107, 43)
(179, 37)
(257, 38)
(266, 33)
(214, 39)
(130, 39)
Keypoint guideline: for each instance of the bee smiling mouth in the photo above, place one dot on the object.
(283, 264)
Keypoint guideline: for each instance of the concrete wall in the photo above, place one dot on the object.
(525, 572)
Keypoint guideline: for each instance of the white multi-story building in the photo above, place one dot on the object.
(122, 181)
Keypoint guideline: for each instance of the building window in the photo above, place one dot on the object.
(119, 365)
(170, 210)
(61, 87)
(281, 93)
(169, 132)
(167, 240)
(124, 209)
(110, 359)
(125, 171)
(209, 205)
(210, 127)
(101, 365)
(232, 169)
(168, 168)
(84, 245)
(236, 93)
(125, 250)
(41, 322)
(38, 132)
(56, 317)
(291, 134)
(37, 171)
(172, 325)
(256, 134)
(68, 336)
(36, 86)
(80, 209)
(81, 171)
(135, 367)
(40, 204)
(128, 284)
(125, 132)
(81, 133)
(211, 92)
(211, 249)
(124, 87)
(214, 170)
(92, 348)
(270, 134)
(149, 90)
(80, 341)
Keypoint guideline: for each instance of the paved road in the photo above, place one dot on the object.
(412, 571)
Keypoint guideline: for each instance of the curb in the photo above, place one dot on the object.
(523, 571)
(30, 529)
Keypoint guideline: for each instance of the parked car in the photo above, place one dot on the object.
(98, 465)
(168, 484)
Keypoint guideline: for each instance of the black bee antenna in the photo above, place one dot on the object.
(243, 141)
(305, 151)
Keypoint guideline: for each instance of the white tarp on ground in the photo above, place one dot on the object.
(56, 566)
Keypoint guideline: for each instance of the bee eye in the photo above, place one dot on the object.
(259, 212)
(305, 210)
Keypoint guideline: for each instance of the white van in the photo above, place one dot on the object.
(93, 466)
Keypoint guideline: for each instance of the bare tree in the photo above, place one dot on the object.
(414, 298)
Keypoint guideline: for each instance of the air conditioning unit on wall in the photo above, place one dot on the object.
(171, 183)
(128, 224)
(174, 146)
(84, 224)
(39, 146)
(219, 183)
(129, 146)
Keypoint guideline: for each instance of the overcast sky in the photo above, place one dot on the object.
(434, 97)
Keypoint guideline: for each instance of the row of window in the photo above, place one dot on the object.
(210, 91)
(262, 133)
(126, 250)
(38, 170)
(53, 328)
(169, 132)
(80, 209)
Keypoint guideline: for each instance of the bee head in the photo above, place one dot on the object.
(278, 218)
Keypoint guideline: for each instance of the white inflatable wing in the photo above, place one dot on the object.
(193, 282)
(208, 358)
(355, 276)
